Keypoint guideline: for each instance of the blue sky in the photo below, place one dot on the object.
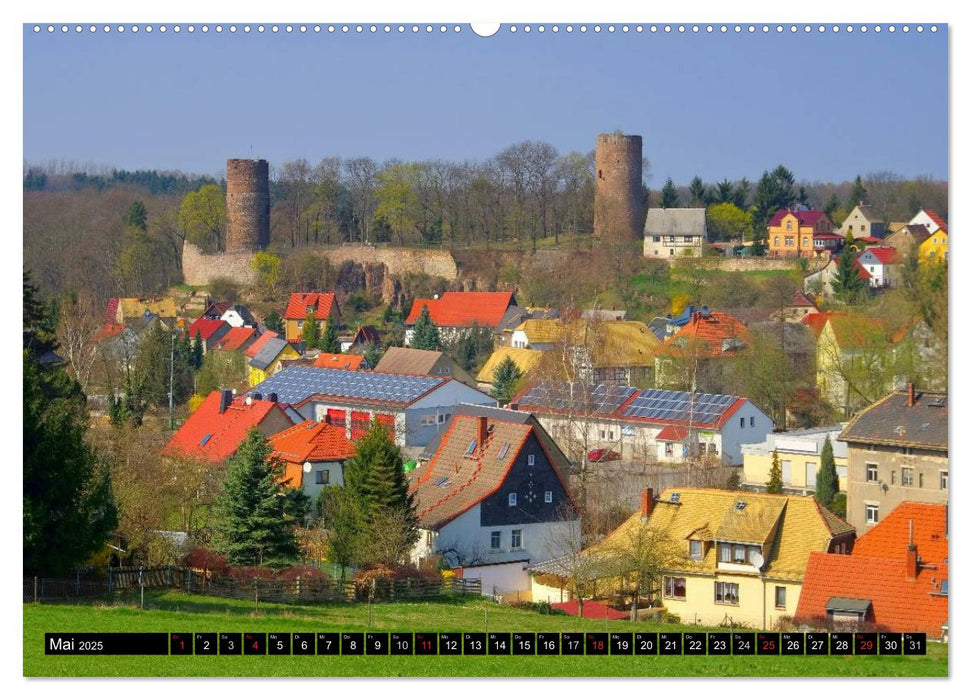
(828, 106)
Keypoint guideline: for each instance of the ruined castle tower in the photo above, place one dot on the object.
(618, 213)
(247, 205)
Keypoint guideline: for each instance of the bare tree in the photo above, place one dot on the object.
(361, 174)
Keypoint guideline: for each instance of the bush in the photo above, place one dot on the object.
(224, 289)
(205, 559)
(543, 608)
(357, 302)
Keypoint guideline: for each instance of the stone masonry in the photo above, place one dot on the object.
(247, 205)
(618, 197)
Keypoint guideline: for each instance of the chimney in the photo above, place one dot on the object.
(257, 396)
(225, 399)
(647, 503)
(912, 558)
(271, 397)
(483, 430)
(513, 407)
(910, 393)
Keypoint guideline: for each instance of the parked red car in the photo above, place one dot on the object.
(602, 455)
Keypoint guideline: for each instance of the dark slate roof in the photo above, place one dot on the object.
(659, 327)
(244, 313)
(295, 384)
(264, 358)
(847, 605)
(891, 421)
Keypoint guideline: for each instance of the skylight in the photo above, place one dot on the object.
(503, 450)
(471, 449)
(205, 440)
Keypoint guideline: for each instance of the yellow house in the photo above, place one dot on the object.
(267, 360)
(526, 360)
(934, 249)
(322, 305)
(800, 455)
(125, 309)
(790, 233)
(731, 557)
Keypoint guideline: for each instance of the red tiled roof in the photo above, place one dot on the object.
(236, 338)
(889, 538)
(710, 330)
(828, 236)
(806, 217)
(591, 609)
(107, 331)
(309, 441)
(217, 308)
(462, 309)
(322, 302)
(673, 433)
(339, 361)
(258, 344)
(885, 254)
(936, 218)
(799, 298)
(214, 436)
(111, 310)
(206, 327)
(870, 240)
(817, 322)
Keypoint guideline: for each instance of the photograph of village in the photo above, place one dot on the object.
(553, 384)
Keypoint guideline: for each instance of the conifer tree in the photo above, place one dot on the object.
(504, 379)
(254, 516)
(310, 334)
(775, 475)
(669, 195)
(329, 342)
(426, 336)
(827, 480)
(197, 351)
(848, 286)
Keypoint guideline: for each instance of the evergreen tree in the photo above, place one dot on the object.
(725, 192)
(197, 351)
(68, 506)
(153, 364)
(775, 475)
(136, 217)
(475, 345)
(669, 195)
(254, 516)
(329, 342)
(425, 336)
(342, 521)
(827, 480)
(848, 286)
(697, 191)
(858, 195)
(504, 379)
(740, 195)
(372, 355)
(375, 479)
(273, 322)
(832, 204)
(310, 333)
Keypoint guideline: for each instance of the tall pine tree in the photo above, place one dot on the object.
(329, 342)
(774, 484)
(669, 195)
(504, 379)
(848, 286)
(827, 480)
(425, 333)
(254, 516)
(68, 507)
(310, 333)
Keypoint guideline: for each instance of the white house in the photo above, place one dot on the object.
(929, 219)
(883, 264)
(672, 232)
(490, 498)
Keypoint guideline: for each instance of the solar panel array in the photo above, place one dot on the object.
(294, 384)
(656, 404)
(602, 398)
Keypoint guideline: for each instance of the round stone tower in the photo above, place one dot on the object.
(618, 213)
(247, 205)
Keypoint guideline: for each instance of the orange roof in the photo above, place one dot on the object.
(462, 309)
(339, 361)
(322, 303)
(236, 338)
(889, 538)
(711, 330)
(206, 327)
(108, 330)
(818, 321)
(258, 344)
(214, 436)
(309, 441)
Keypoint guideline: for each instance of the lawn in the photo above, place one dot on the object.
(178, 612)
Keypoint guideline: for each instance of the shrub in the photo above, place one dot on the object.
(205, 559)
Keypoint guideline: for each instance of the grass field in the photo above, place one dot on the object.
(178, 612)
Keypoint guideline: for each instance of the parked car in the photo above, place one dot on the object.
(602, 455)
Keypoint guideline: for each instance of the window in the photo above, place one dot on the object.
(531, 460)
(496, 539)
(943, 481)
(776, 243)
(695, 549)
(512, 499)
(811, 470)
(299, 324)
(442, 417)
(471, 449)
(788, 226)
(724, 552)
(871, 473)
(741, 422)
(657, 239)
(790, 241)
(872, 513)
(920, 480)
(517, 539)
(805, 240)
(689, 239)
(428, 419)
(674, 587)
(893, 477)
(670, 239)
(726, 593)
(548, 497)
(671, 251)
(751, 421)
(323, 476)
(669, 449)
(787, 472)
(841, 471)
(907, 476)
(429, 539)
(780, 597)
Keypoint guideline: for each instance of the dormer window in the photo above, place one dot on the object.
(696, 549)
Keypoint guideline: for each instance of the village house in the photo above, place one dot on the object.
(267, 360)
(798, 307)
(727, 557)
(456, 313)
(258, 344)
(800, 457)
(122, 310)
(237, 339)
(364, 338)
(862, 222)
(431, 363)
(236, 315)
(694, 357)
(312, 455)
(790, 233)
(883, 264)
(322, 305)
(340, 361)
(214, 431)
(414, 409)
(526, 361)
(488, 498)
(929, 219)
(208, 331)
(908, 239)
(827, 244)
(934, 247)
(897, 451)
(644, 425)
(669, 233)
(896, 578)
(820, 282)
(514, 317)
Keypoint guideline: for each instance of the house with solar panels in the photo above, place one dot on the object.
(413, 408)
(644, 425)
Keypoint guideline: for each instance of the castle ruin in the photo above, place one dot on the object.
(618, 213)
(247, 205)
